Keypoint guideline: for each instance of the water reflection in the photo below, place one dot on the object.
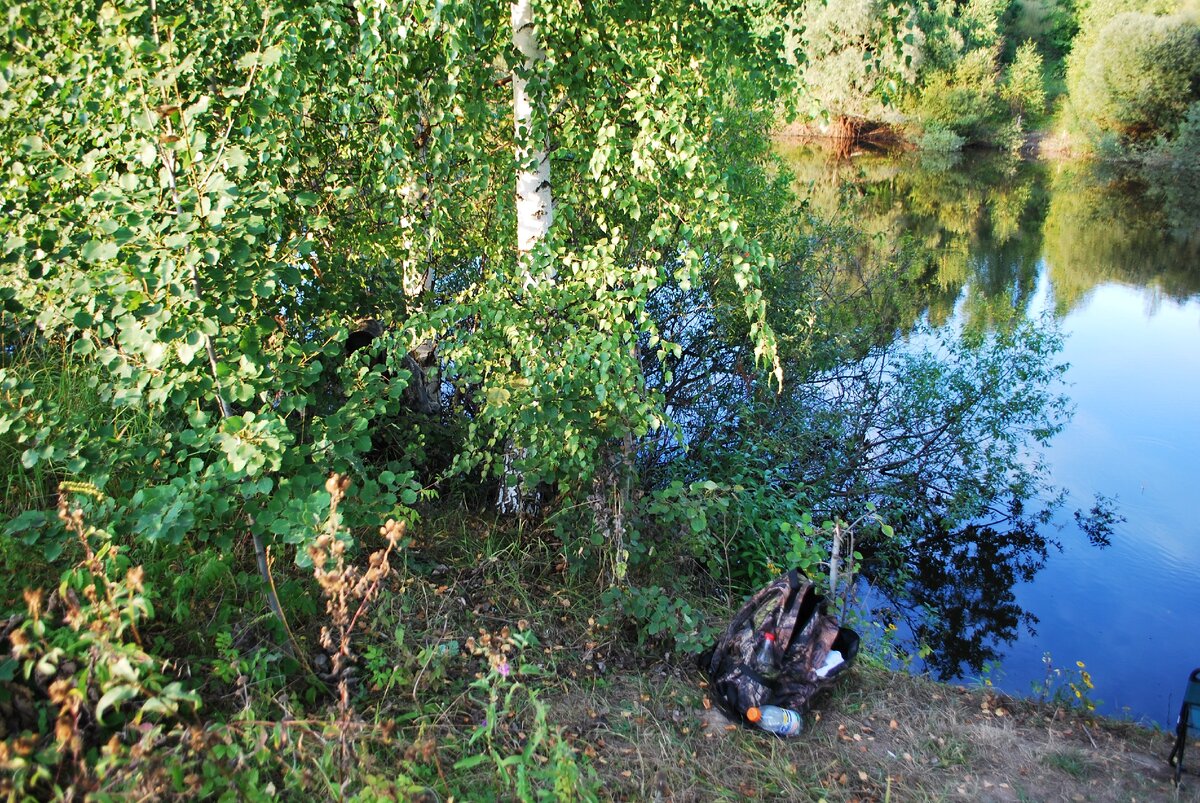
(984, 233)
(986, 221)
(1102, 229)
(968, 578)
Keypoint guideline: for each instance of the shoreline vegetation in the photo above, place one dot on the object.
(1051, 144)
(1111, 80)
(556, 697)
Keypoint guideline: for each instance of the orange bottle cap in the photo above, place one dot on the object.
(753, 714)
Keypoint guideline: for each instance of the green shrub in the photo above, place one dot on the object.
(659, 616)
(1182, 151)
(1139, 77)
(77, 675)
(1024, 87)
(964, 99)
(940, 140)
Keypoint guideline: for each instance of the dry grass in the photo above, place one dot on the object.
(880, 736)
(641, 719)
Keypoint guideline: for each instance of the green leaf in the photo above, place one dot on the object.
(188, 347)
(114, 697)
(470, 761)
(98, 251)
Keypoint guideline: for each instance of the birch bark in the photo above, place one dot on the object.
(534, 203)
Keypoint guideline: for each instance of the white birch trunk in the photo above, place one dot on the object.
(535, 207)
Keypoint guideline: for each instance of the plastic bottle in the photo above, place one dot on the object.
(780, 721)
(765, 660)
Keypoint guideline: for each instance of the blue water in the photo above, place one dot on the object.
(1117, 263)
(1130, 612)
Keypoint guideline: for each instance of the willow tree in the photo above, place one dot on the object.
(854, 59)
(199, 199)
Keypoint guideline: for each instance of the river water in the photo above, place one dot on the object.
(1118, 264)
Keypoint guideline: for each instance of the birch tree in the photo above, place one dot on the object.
(257, 177)
(534, 201)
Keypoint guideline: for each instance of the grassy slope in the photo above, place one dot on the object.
(637, 715)
(640, 716)
(880, 736)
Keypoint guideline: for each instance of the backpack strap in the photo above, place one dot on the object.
(1181, 730)
(735, 639)
(800, 592)
(813, 632)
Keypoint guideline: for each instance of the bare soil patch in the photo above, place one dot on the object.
(879, 736)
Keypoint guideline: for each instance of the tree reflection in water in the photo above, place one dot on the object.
(980, 236)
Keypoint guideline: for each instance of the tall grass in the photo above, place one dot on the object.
(69, 383)
(59, 381)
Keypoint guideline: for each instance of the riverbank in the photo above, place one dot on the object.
(1041, 144)
(636, 715)
(483, 670)
(878, 736)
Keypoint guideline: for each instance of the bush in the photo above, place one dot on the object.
(1183, 150)
(940, 140)
(965, 99)
(1139, 77)
(76, 680)
(1024, 87)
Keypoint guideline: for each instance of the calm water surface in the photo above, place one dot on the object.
(1118, 265)
(1131, 612)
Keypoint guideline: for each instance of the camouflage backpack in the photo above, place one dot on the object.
(810, 650)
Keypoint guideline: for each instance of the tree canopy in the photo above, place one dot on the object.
(202, 200)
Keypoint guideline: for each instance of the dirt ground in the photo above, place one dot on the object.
(879, 736)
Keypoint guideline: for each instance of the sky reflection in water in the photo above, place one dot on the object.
(1131, 612)
(1120, 267)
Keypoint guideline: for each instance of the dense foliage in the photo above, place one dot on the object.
(262, 294)
(944, 73)
(1120, 76)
